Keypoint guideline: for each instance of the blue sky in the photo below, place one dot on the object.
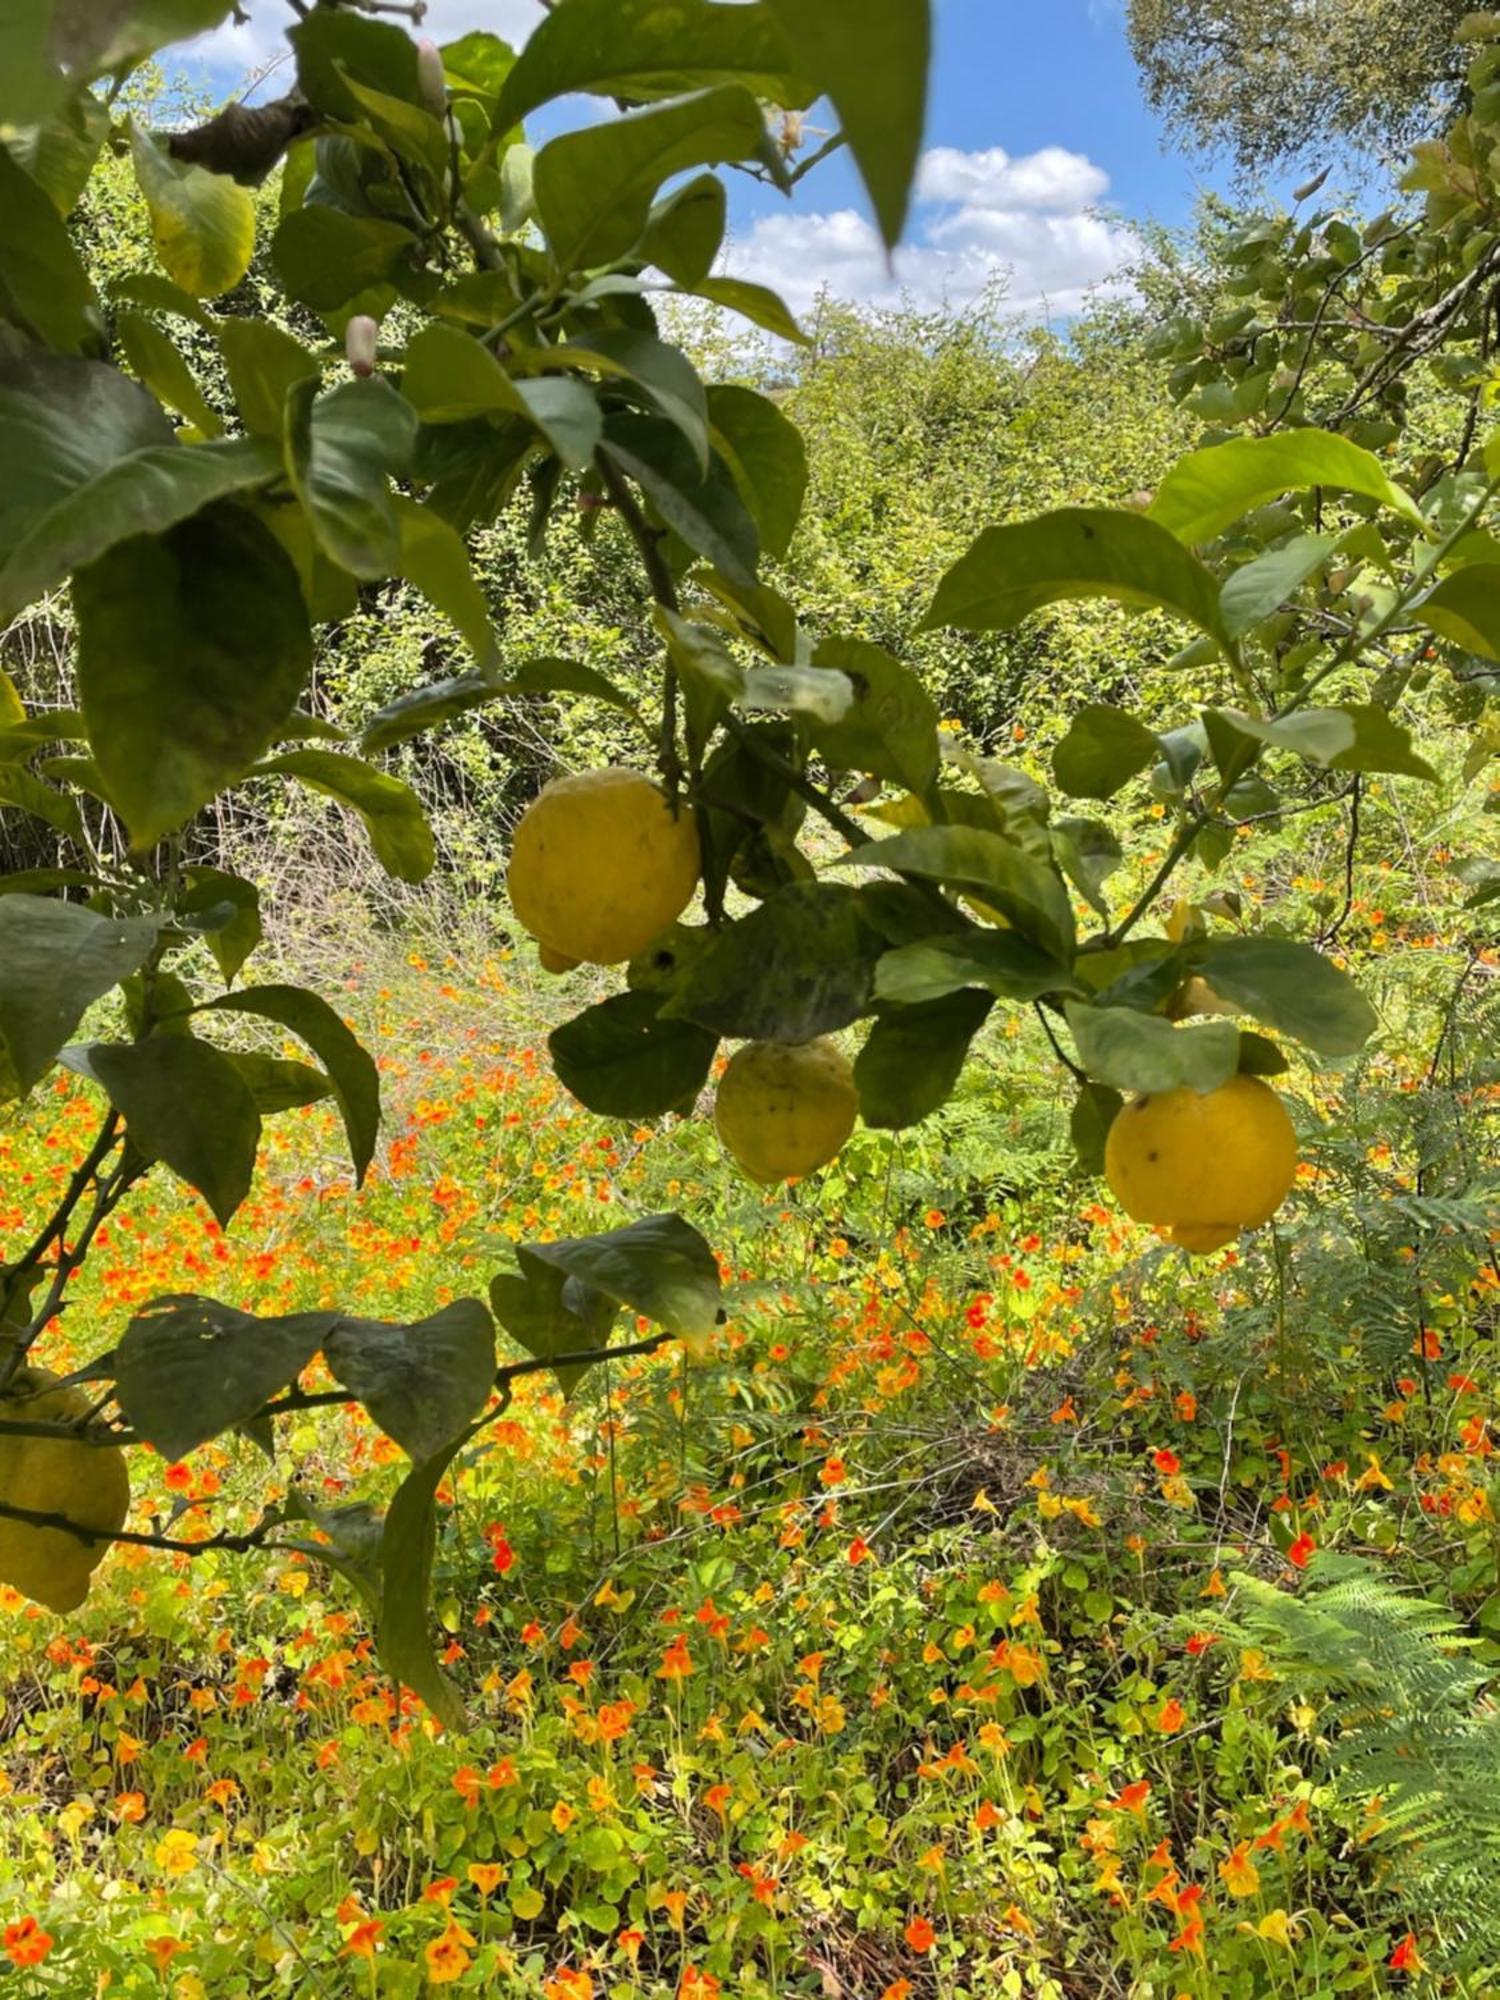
(1040, 151)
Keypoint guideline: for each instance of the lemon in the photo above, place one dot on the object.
(1202, 1165)
(786, 1108)
(1196, 996)
(601, 866)
(557, 962)
(86, 1483)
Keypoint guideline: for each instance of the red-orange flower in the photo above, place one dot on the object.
(920, 1935)
(25, 1942)
(1301, 1551)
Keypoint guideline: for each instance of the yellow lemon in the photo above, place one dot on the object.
(1196, 996)
(86, 1483)
(1202, 1165)
(601, 865)
(786, 1107)
(556, 962)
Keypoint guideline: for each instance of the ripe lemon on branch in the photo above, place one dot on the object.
(83, 1482)
(1203, 1165)
(601, 865)
(786, 1108)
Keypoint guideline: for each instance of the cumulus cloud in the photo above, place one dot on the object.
(980, 219)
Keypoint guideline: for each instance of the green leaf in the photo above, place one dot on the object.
(426, 708)
(765, 453)
(325, 258)
(800, 965)
(278, 1084)
(406, 1551)
(1075, 552)
(1088, 852)
(594, 187)
(186, 1104)
(391, 811)
(1291, 987)
(1143, 1052)
(686, 229)
(337, 48)
(891, 729)
(410, 130)
(188, 1368)
(1095, 1109)
(449, 376)
(819, 693)
(144, 494)
(60, 152)
(341, 450)
(62, 421)
(263, 362)
(422, 1383)
(226, 909)
(707, 513)
(1104, 749)
(660, 1267)
(1359, 736)
(159, 294)
(1002, 963)
(552, 1316)
(1029, 893)
(872, 60)
(756, 303)
(1465, 608)
(642, 48)
(56, 960)
(192, 648)
(1257, 588)
(42, 279)
(1209, 490)
(203, 224)
(477, 64)
(433, 557)
(1481, 877)
(622, 1060)
(356, 1081)
(165, 373)
(19, 788)
(913, 1056)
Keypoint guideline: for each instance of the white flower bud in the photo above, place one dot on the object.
(360, 336)
(430, 75)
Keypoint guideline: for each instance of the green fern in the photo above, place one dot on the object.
(1409, 1723)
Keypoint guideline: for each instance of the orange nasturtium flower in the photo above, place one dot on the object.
(1170, 1717)
(1300, 1553)
(25, 1942)
(1131, 1798)
(1239, 1873)
(920, 1935)
(486, 1876)
(1406, 1957)
(446, 1958)
(363, 1940)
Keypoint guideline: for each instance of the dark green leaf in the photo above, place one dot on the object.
(1028, 892)
(1465, 608)
(622, 1060)
(61, 422)
(1209, 490)
(1255, 590)
(56, 959)
(999, 961)
(449, 376)
(391, 811)
(356, 1080)
(188, 1368)
(660, 1267)
(325, 258)
(433, 557)
(552, 1315)
(226, 909)
(277, 1084)
(42, 279)
(263, 362)
(1075, 552)
(764, 451)
(341, 450)
(663, 374)
(334, 45)
(1094, 1110)
(59, 153)
(161, 366)
(1145, 1053)
(1088, 852)
(422, 1382)
(192, 648)
(800, 965)
(1104, 749)
(708, 513)
(913, 1057)
(686, 229)
(406, 1552)
(1360, 736)
(756, 303)
(1291, 987)
(185, 1104)
(19, 788)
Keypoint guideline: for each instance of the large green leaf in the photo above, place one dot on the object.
(756, 303)
(407, 1544)
(763, 449)
(56, 959)
(594, 187)
(144, 494)
(189, 1368)
(1359, 736)
(163, 368)
(1254, 591)
(59, 152)
(1209, 490)
(801, 964)
(1291, 987)
(686, 230)
(660, 1267)
(62, 420)
(707, 513)
(263, 362)
(1465, 608)
(278, 1084)
(449, 376)
(19, 788)
(1103, 749)
(186, 1104)
(1143, 1052)
(872, 60)
(1029, 893)
(621, 1059)
(1075, 552)
(913, 1056)
(552, 1315)
(891, 728)
(42, 279)
(325, 258)
(391, 811)
(203, 224)
(429, 707)
(225, 909)
(338, 47)
(341, 450)
(356, 1081)
(433, 557)
(422, 1382)
(193, 647)
(649, 48)
(662, 373)
(998, 961)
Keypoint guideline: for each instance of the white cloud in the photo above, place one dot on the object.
(980, 218)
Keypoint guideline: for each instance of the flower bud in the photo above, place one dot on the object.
(360, 336)
(430, 76)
